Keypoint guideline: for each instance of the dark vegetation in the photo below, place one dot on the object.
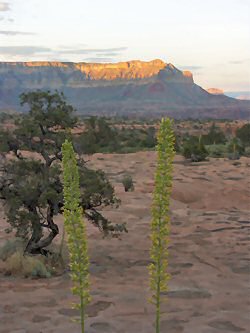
(31, 186)
(215, 143)
(101, 137)
(128, 183)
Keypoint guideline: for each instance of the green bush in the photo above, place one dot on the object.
(243, 134)
(214, 136)
(247, 151)
(128, 184)
(5, 138)
(194, 149)
(235, 149)
(219, 150)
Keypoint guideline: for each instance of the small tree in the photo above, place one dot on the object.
(243, 133)
(160, 216)
(127, 182)
(214, 136)
(194, 149)
(31, 184)
(235, 149)
(75, 229)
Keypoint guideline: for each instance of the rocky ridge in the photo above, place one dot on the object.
(138, 88)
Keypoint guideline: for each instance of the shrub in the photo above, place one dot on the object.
(243, 134)
(10, 247)
(194, 149)
(28, 266)
(214, 136)
(217, 150)
(128, 184)
(247, 151)
(15, 262)
(235, 149)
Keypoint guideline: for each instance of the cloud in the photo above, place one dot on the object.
(86, 51)
(23, 50)
(14, 33)
(4, 6)
(190, 68)
(26, 53)
(99, 59)
(109, 54)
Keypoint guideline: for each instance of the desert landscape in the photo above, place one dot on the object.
(124, 166)
(208, 257)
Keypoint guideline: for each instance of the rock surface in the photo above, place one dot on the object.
(215, 91)
(208, 258)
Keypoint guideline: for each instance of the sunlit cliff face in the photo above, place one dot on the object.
(129, 70)
(215, 91)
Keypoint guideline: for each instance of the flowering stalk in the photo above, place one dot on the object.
(75, 229)
(160, 225)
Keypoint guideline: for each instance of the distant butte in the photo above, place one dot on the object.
(215, 91)
(134, 88)
(134, 69)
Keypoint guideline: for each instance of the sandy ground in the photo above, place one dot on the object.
(209, 258)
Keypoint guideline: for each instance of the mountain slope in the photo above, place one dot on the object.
(133, 87)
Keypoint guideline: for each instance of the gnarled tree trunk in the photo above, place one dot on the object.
(37, 243)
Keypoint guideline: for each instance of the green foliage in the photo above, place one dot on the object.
(135, 139)
(31, 186)
(243, 134)
(150, 140)
(218, 151)
(194, 149)
(247, 151)
(214, 136)
(235, 149)
(127, 182)
(160, 215)
(75, 229)
(5, 138)
(100, 136)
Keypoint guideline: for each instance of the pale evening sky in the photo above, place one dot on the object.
(210, 38)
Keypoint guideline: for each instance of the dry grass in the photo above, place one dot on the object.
(27, 266)
(14, 262)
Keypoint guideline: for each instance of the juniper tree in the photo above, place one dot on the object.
(30, 184)
(75, 229)
(160, 225)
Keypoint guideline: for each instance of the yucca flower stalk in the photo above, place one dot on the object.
(75, 230)
(160, 225)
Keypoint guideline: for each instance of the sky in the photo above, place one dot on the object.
(209, 38)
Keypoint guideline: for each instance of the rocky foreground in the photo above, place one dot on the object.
(209, 258)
